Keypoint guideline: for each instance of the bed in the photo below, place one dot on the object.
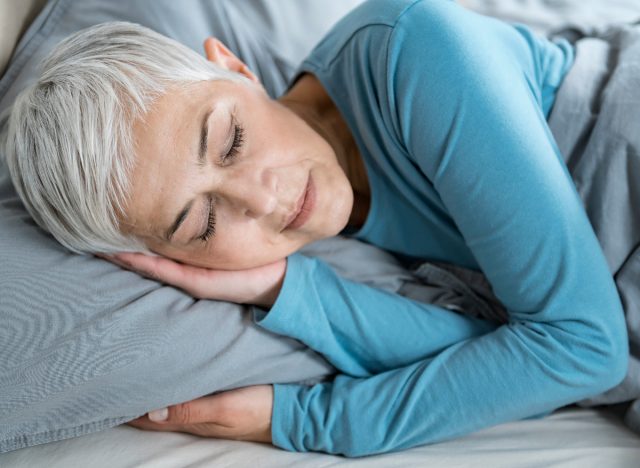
(569, 437)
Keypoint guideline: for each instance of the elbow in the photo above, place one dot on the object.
(589, 356)
(615, 366)
(611, 371)
(605, 354)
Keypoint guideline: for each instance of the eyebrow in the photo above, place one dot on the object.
(202, 156)
(204, 139)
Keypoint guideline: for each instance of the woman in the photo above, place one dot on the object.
(414, 125)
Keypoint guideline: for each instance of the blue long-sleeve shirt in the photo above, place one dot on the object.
(448, 109)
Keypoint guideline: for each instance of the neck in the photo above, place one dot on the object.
(309, 100)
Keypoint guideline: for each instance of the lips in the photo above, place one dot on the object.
(304, 207)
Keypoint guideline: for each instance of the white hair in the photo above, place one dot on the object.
(69, 146)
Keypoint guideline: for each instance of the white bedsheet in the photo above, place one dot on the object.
(571, 437)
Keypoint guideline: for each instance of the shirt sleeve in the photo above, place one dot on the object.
(470, 119)
(361, 330)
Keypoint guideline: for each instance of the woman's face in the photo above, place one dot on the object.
(226, 153)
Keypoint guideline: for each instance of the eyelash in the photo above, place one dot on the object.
(211, 223)
(238, 140)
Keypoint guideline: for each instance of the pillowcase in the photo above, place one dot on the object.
(85, 345)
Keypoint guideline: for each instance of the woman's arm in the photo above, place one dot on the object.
(359, 329)
(502, 180)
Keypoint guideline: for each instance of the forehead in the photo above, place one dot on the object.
(174, 112)
(162, 143)
(170, 111)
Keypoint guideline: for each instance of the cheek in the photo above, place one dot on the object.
(250, 249)
(233, 249)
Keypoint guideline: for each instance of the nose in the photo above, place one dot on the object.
(252, 192)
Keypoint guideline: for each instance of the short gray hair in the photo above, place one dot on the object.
(69, 146)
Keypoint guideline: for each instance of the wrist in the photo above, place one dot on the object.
(267, 299)
(269, 296)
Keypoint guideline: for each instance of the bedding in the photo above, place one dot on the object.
(547, 16)
(110, 345)
(571, 438)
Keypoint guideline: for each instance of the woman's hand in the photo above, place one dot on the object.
(241, 414)
(259, 286)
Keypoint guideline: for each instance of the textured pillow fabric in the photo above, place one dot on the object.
(85, 345)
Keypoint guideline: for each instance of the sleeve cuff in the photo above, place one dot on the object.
(282, 418)
(288, 301)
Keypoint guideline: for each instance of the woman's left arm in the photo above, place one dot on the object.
(470, 120)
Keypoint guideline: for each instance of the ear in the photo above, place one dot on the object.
(218, 53)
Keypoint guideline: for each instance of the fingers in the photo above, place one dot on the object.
(151, 267)
(156, 268)
(203, 410)
(197, 281)
(240, 414)
(258, 285)
(182, 416)
(116, 259)
(203, 430)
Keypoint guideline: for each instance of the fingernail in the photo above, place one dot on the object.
(159, 415)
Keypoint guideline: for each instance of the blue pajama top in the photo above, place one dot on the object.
(448, 109)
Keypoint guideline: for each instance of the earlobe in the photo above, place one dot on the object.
(219, 54)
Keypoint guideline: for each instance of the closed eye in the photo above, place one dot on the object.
(236, 146)
(211, 223)
(230, 155)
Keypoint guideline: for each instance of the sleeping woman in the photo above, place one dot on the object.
(414, 125)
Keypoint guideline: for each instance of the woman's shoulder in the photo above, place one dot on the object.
(433, 14)
(375, 25)
(380, 12)
(369, 25)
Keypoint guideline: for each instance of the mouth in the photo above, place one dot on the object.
(304, 207)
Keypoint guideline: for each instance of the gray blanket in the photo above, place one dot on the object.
(596, 122)
(546, 16)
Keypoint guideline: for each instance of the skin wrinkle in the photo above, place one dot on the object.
(285, 141)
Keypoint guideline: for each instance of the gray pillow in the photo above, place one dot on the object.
(84, 345)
